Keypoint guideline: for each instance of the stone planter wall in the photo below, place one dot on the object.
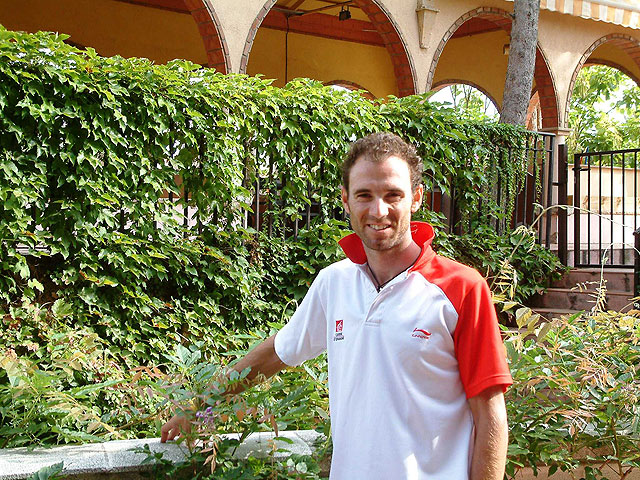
(116, 460)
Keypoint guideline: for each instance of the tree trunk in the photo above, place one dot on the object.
(522, 59)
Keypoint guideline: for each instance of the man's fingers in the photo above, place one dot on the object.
(169, 431)
(174, 427)
(164, 433)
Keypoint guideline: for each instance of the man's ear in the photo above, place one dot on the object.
(417, 198)
(345, 199)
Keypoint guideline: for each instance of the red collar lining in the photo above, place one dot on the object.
(421, 232)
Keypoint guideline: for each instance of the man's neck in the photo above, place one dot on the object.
(387, 264)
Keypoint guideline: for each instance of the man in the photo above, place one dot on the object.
(416, 364)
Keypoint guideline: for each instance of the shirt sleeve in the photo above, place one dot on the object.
(479, 349)
(305, 335)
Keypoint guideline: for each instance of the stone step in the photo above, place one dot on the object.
(576, 300)
(617, 279)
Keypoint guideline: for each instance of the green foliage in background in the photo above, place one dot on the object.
(468, 101)
(605, 111)
(94, 148)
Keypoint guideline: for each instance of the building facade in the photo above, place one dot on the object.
(386, 47)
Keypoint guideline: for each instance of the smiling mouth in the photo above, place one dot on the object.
(379, 228)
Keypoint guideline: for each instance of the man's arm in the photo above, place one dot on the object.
(262, 360)
(492, 434)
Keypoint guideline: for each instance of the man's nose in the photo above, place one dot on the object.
(378, 208)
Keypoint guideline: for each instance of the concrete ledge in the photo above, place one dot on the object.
(117, 459)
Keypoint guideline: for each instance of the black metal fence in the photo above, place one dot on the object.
(535, 187)
(537, 191)
(606, 213)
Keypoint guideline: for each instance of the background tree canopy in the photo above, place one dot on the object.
(604, 111)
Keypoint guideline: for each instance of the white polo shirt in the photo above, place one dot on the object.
(402, 362)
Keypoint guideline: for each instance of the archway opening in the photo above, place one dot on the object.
(351, 86)
(475, 50)
(617, 51)
(604, 120)
(604, 109)
(324, 40)
(468, 100)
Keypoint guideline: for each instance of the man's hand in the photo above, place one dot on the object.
(178, 425)
(262, 361)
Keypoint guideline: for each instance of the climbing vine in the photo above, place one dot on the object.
(127, 189)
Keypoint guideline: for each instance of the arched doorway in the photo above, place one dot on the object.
(163, 29)
(354, 40)
(602, 113)
(476, 48)
(621, 52)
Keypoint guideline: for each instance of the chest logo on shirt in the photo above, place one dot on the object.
(338, 335)
(420, 333)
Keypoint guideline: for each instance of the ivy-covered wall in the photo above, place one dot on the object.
(92, 149)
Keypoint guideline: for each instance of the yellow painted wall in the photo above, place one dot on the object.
(322, 59)
(478, 59)
(110, 27)
(616, 55)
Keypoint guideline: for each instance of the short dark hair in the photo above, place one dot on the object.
(377, 147)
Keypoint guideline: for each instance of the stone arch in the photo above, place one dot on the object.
(544, 82)
(387, 28)
(212, 34)
(449, 81)
(627, 43)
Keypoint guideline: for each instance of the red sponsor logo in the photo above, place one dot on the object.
(338, 335)
(420, 333)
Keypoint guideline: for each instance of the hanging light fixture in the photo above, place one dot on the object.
(344, 14)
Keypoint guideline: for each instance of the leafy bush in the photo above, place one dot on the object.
(515, 265)
(575, 394)
(118, 176)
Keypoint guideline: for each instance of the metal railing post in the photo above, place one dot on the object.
(548, 150)
(576, 210)
(563, 249)
(636, 269)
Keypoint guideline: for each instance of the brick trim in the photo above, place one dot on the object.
(534, 107)
(394, 42)
(545, 83)
(251, 36)
(630, 45)
(546, 89)
(387, 28)
(212, 34)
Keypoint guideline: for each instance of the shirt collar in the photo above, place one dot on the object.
(421, 232)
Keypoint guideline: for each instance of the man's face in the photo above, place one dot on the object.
(380, 202)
